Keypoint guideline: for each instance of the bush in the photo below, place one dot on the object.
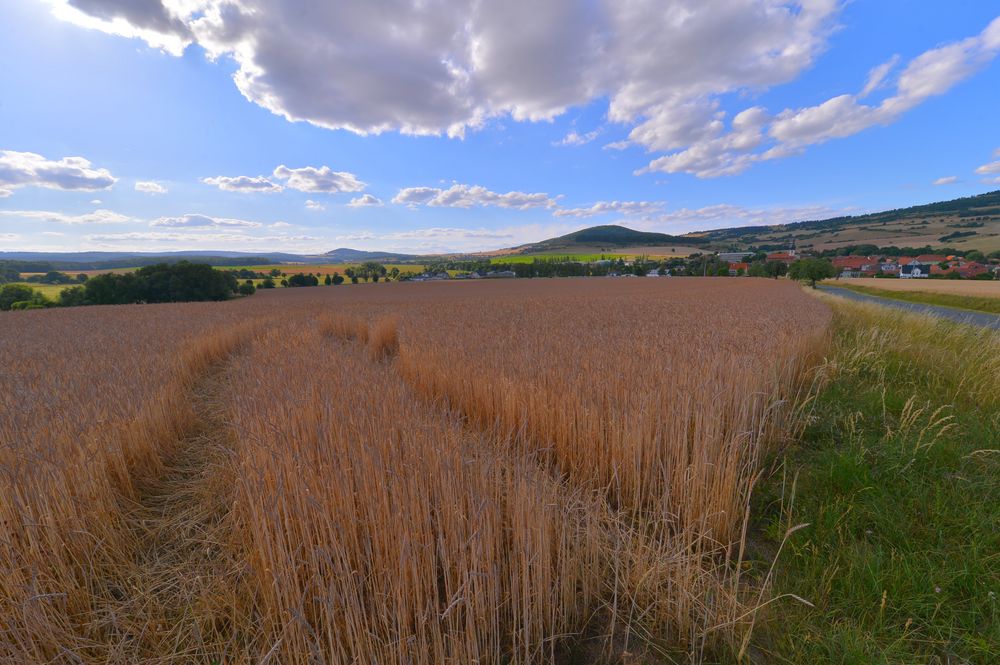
(14, 293)
(303, 279)
(73, 297)
(247, 288)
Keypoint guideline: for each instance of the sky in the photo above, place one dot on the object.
(460, 125)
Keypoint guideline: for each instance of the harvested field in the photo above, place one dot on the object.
(960, 287)
(495, 472)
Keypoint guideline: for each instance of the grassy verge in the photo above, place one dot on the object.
(976, 303)
(898, 479)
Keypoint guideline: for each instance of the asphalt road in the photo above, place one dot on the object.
(960, 315)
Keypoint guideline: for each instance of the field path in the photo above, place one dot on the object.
(176, 603)
(982, 319)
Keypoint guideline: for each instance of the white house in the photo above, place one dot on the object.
(914, 270)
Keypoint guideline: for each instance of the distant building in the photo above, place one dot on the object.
(973, 269)
(787, 257)
(733, 257)
(914, 270)
(735, 268)
(889, 268)
(856, 266)
(500, 274)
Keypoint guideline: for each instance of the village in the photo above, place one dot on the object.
(974, 265)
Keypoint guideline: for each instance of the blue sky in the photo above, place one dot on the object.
(295, 126)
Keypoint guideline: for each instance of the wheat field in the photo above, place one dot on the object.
(958, 287)
(503, 472)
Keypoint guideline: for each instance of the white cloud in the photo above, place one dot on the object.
(27, 169)
(717, 153)
(573, 138)
(446, 66)
(878, 75)
(8, 237)
(322, 179)
(96, 217)
(946, 180)
(436, 233)
(53, 234)
(306, 179)
(364, 201)
(468, 196)
(686, 220)
(605, 207)
(203, 222)
(315, 205)
(150, 187)
(140, 240)
(151, 21)
(280, 225)
(243, 183)
(989, 169)
(451, 65)
(96, 202)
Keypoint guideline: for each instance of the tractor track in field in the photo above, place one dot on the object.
(176, 600)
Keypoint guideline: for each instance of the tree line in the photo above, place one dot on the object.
(177, 282)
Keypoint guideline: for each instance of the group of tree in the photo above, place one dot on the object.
(176, 282)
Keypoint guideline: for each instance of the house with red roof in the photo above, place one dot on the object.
(787, 257)
(735, 268)
(972, 269)
(856, 266)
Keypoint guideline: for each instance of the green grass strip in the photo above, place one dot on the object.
(974, 303)
(898, 479)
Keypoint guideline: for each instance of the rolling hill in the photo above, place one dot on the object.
(609, 238)
(967, 223)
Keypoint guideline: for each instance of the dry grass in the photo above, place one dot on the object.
(425, 473)
(960, 287)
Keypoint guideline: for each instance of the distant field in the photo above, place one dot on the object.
(528, 258)
(50, 291)
(973, 287)
(972, 295)
(322, 268)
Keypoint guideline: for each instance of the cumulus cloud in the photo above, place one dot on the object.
(150, 187)
(95, 217)
(153, 21)
(203, 222)
(243, 183)
(311, 179)
(446, 66)
(946, 180)
(469, 196)
(8, 237)
(322, 179)
(314, 205)
(605, 207)
(364, 201)
(761, 137)
(573, 138)
(27, 169)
